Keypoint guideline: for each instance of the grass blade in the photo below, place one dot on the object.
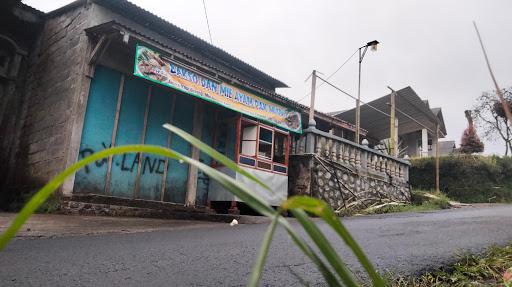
(296, 204)
(310, 253)
(321, 209)
(262, 256)
(325, 247)
(214, 154)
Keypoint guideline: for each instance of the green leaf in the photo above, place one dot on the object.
(262, 256)
(321, 209)
(325, 247)
(214, 154)
(238, 189)
(309, 252)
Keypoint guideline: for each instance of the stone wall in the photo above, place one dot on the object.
(54, 79)
(342, 185)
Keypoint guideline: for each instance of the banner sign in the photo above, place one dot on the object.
(150, 65)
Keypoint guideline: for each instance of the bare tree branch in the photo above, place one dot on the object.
(491, 120)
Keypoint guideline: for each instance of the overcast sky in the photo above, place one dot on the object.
(428, 45)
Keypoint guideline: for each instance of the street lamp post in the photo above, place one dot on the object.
(362, 51)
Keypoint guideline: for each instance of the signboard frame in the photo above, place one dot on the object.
(155, 67)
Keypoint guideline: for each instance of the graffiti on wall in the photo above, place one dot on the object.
(149, 165)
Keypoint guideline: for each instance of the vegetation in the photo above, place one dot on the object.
(51, 205)
(466, 178)
(319, 251)
(329, 263)
(420, 202)
(492, 268)
(470, 142)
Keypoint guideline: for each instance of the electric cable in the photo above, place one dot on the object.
(330, 76)
(380, 111)
(207, 22)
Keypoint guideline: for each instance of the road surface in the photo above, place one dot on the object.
(220, 255)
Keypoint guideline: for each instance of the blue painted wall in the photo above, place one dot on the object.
(178, 172)
(97, 130)
(99, 125)
(202, 179)
(129, 131)
(152, 169)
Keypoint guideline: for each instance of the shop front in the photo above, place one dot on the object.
(130, 108)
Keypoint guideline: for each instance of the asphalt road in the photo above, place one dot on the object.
(220, 255)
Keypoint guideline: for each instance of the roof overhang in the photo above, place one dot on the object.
(167, 29)
(114, 28)
(407, 102)
(438, 112)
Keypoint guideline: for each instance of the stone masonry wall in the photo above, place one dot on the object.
(340, 185)
(53, 84)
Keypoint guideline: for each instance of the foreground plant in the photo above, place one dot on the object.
(492, 268)
(330, 264)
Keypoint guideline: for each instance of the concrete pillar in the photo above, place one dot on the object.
(424, 143)
(310, 137)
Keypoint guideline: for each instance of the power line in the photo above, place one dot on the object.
(207, 22)
(330, 76)
(378, 110)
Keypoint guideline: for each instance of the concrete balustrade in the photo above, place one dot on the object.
(361, 158)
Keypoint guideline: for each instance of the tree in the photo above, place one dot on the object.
(470, 142)
(490, 117)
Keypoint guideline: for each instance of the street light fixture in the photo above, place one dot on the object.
(362, 51)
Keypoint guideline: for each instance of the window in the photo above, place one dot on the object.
(263, 147)
(265, 143)
(280, 145)
(249, 138)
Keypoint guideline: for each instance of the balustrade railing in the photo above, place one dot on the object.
(360, 157)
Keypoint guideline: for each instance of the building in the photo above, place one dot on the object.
(446, 148)
(106, 73)
(417, 122)
(20, 26)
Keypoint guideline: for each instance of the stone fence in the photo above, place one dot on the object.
(345, 174)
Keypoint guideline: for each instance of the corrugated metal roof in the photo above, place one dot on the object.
(407, 101)
(31, 9)
(439, 114)
(336, 113)
(157, 24)
(106, 27)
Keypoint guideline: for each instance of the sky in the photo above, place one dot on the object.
(428, 45)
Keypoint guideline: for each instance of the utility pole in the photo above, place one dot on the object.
(437, 157)
(310, 138)
(396, 138)
(393, 125)
(312, 103)
(358, 101)
(362, 51)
